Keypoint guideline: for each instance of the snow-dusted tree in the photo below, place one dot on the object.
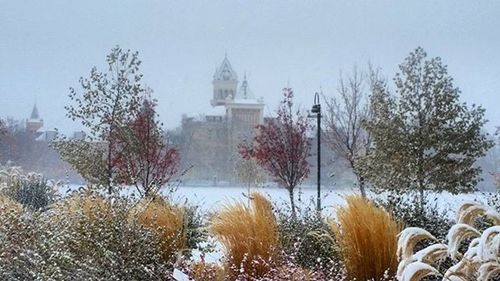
(107, 101)
(426, 139)
(249, 172)
(145, 157)
(281, 146)
(344, 117)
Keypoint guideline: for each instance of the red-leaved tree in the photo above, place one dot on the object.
(281, 146)
(145, 157)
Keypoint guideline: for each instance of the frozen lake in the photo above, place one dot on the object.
(211, 198)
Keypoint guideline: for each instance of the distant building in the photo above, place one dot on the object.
(34, 123)
(210, 141)
(79, 135)
(48, 136)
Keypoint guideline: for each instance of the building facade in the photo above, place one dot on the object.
(210, 142)
(34, 123)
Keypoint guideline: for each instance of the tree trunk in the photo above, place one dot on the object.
(421, 197)
(110, 174)
(292, 202)
(362, 186)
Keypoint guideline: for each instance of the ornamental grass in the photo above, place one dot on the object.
(167, 220)
(366, 235)
(249, 236)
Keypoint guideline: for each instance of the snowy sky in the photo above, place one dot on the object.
(45, 46)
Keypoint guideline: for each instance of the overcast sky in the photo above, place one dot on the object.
(45, 46)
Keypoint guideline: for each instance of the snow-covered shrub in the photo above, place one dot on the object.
(293, 272)
(407, 210)
(493, 199)
(34, 192)
(249, 236)
(195, 229)
(102, 241)
(366, 235)
(203, 271)
(480, 260)
(15, 237)
(284, 270)
(288, 269)
(29, 189)
(307, 238)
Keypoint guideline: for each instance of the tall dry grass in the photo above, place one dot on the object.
(249, 235)
(366, 235)
(201, 271)
(167, 220)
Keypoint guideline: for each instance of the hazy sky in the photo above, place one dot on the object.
(45, 46)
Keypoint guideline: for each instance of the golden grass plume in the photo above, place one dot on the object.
(166, 219)
(366, 235)
(249, 235)
(201, 271)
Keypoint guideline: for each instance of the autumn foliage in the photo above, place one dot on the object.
(281, 146)
(144, 155)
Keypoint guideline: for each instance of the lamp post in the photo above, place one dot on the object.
(316, 110)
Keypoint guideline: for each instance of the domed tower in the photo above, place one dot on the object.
(225, 83)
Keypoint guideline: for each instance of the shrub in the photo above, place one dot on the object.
(101, 241)
(202, 271)
(308, 239)
(493, 199)
(366, 235)
(249, 235)
(195, 229)
(31, 190)
(407, 210)
(15, 238)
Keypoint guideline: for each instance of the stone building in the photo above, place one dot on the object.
(210, 141)
(34, 123)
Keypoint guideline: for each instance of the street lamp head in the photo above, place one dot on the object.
(316, 108)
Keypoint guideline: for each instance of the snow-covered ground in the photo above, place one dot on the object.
(212, 198)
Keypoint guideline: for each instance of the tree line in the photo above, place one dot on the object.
(412, 135)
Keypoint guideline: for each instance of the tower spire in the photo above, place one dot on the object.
(225, 83)
(34, 113)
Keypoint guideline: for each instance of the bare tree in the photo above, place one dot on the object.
(249, 173)
(345, 114)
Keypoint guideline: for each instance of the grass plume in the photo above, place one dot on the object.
(167, 220)
(249, 235)
(366, 235)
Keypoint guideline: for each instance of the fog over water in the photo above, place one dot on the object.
(46, 46)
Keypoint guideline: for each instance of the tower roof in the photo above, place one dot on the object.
(244, 93)
(225, 71)
(34, 113)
